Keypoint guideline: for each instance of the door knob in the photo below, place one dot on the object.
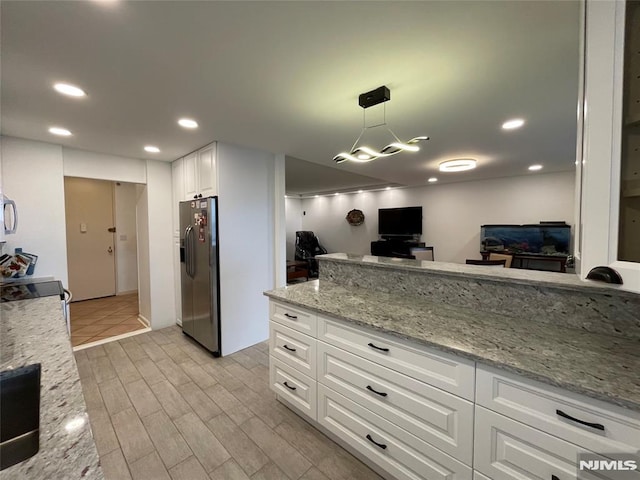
(110, 250)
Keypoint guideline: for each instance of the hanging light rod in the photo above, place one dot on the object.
(364, 154)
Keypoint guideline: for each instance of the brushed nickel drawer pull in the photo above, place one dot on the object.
(597, 426)
(289, 348)
(378, 348)
(382, 394)
(379, 445)
(289, 386)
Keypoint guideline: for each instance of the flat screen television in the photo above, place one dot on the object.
(400, 221)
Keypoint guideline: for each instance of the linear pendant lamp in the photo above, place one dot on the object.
(362, 153)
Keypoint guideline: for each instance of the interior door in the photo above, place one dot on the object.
(90, 237)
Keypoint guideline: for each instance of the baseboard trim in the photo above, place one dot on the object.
(111, 339)
(126, 292)
(179, 322)
(144, 320)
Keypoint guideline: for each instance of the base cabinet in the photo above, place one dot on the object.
(393, 448)
(419, 414)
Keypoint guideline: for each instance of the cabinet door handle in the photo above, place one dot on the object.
(553, 477)
(597, 426)
(289, 386)
(292, 317)
(382, 394)
(289, 348)
(378, 348)
(379, 445)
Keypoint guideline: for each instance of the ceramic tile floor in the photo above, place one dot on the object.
(93, 320)
(162, 408)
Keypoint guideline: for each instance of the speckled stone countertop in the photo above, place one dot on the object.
(34, 331)
(600, 366)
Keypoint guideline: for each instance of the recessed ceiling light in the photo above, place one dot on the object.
(388, 188)
(187, 123)
(151, 149)
(533, 168)
(71, 90)
(459, 165)
(513, 124)
(316, 196)
(336, 193)
(359, 191)
(63, 132)
(432, 180)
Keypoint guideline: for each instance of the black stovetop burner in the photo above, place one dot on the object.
(12, 292)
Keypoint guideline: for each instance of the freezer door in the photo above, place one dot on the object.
(206, 329)
(186, 260)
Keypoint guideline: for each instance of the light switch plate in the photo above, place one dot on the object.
(83, 228)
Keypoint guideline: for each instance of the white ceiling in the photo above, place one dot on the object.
(285, 77)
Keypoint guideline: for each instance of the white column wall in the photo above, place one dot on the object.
(246, 212)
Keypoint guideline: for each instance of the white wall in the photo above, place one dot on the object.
(160, 243)
(125, 199)
(246, 204)
(144, 276)
(293, 214)
(32, 176)
(81, 163)
(452, 213)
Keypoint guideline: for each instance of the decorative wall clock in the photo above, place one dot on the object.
(355, 217)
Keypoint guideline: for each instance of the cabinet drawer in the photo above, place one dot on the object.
(293, 348)
(508, 450)
(397, 451)
(433, 415)
(296, 388)
(292, 317)
(538, 405)
(448, 372)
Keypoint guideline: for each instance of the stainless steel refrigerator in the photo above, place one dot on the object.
(199, 260)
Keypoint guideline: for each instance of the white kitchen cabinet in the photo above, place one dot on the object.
(200, 173)
(296, 388)
(398, 452)
(293, 348)
(206, 173)
(509, 450)
(593, 425)
(190, 176)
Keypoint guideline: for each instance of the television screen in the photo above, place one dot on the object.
(400, 221)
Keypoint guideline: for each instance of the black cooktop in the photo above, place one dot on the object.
(25, 291)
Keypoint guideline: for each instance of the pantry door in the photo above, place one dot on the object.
(90, 237)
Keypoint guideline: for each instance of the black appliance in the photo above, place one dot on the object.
(405, 221)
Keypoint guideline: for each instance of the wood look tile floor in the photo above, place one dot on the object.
(161, 407)
(93, 320)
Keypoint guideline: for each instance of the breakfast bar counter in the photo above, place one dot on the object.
(34, 331)
(583, 359)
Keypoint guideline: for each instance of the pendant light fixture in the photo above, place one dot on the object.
(364, 154)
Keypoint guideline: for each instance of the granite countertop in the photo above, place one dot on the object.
(34, 331)
(484, 273)
(600, 366)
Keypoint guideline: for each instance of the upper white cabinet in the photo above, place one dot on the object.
(200, 173)
(609, 224)
(206, 171)
(190, 176)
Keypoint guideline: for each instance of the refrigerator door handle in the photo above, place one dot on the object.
(192, 250)
(187, 251)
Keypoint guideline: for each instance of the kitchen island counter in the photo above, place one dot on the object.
(34, 331)
(601, 366)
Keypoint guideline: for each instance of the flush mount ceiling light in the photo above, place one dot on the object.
(513, 124)
(432, 180)
(63, 132)
(364, 154)
(534, 168)
(459, 165)
(151, 149)
(70, 90)
(187, 123)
